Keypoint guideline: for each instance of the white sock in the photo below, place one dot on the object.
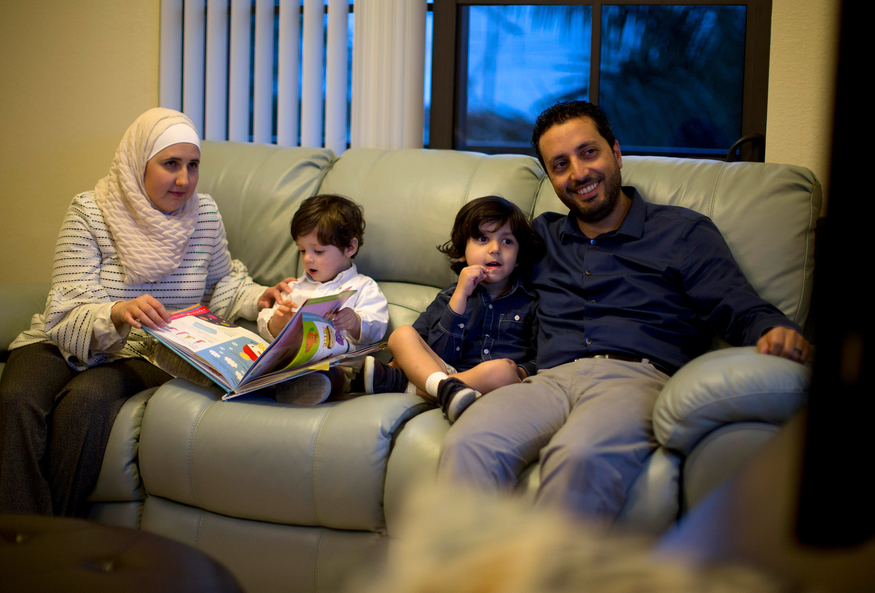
(411, 388)
(431, 384)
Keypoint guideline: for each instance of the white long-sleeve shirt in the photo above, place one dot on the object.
(368, 303)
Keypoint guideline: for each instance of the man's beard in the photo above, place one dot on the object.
(602, 208)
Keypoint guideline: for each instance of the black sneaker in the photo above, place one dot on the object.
(454, 397)
(381, 378)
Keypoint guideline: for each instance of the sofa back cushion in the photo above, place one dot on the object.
(766, 212)
(258, 188)
(411, 197)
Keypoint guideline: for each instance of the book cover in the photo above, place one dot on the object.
(240, 361)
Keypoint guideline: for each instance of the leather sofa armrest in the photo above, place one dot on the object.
(414, 460)
(119, 479)
(725, 386)
(18, 303)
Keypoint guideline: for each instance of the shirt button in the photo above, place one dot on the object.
(588, 341)
(592, 241)
(485, 335)
(588, 273)
(461, 326)
(490, 305)
(516, 317)
(457, 348)
(486, 351)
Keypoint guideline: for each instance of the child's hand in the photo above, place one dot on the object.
(281, 316)
(469, 278)
(348, 321)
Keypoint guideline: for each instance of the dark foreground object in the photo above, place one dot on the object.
(57, 554)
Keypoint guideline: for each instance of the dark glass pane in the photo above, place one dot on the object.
(520, 60)
(671, 77)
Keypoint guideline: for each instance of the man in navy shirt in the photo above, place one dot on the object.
(629, 291)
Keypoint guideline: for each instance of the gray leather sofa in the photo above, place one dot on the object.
(293, 498)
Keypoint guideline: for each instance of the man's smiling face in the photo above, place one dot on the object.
(583, 168)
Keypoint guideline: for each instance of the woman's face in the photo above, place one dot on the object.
(171, 176)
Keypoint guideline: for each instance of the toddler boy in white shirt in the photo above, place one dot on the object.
(328, 231)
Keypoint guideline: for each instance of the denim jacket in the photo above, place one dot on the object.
(505, 326)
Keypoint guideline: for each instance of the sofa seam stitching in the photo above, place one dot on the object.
(467, 195)
(316, 559)
(313, 464)
(713, 197)
(191, 438)
(808, 231)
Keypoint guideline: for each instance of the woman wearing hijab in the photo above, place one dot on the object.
(141, 244)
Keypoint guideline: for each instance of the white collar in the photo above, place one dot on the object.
(340, 278)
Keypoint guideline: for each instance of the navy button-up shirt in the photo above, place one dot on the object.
(501, 327)
(655, 288)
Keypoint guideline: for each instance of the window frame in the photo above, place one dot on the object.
(449, 52)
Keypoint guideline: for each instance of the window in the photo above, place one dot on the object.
(674, 79)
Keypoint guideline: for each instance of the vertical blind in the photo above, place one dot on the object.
(217, 66)
(221, 75)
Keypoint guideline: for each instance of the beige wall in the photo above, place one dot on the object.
(801, 83)
(75, 74)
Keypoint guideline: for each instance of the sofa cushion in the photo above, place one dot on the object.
(266, 557)
(119, 478)
(720, 454)
(19, 301)
(411, 197)
(725, 386)
(406, 302)
(258, 189)
(254, 458)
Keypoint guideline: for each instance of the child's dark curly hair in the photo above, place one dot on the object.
(336, 220)
(491, 210)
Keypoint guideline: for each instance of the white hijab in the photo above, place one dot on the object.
(150, 243)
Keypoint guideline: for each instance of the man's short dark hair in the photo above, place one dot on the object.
(567, 110)
(491, 210)
(337, 221)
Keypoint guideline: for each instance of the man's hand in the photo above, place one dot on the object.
(784, 342)
(275, 294)
(349, 321)
(143, 310)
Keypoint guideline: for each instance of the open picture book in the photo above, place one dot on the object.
(240, 361)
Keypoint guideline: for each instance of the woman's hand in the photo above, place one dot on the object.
(275, 294)
(143, 310)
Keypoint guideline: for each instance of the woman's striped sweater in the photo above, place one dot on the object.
(87, 275)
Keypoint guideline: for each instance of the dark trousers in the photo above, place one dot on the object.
(55, 424)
